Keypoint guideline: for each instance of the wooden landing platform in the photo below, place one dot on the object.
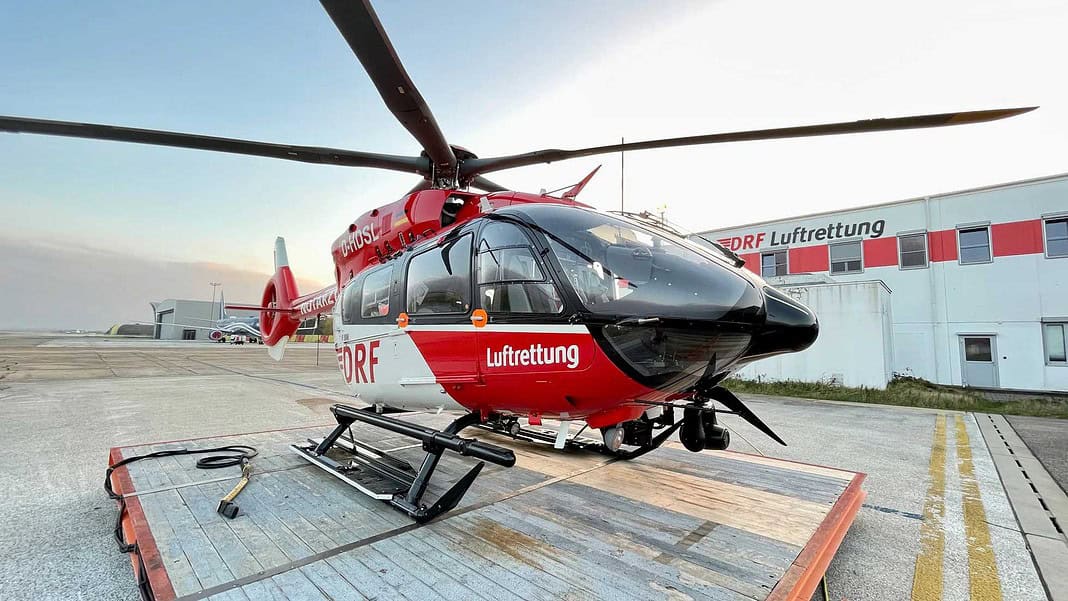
(559, 525)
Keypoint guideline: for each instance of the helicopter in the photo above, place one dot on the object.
(497, 305)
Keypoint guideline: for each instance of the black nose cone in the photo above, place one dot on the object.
(789, 327)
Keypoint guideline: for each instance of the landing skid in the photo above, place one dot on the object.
(382, 476)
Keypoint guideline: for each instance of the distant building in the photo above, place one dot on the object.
(972, 287)
(189, 319)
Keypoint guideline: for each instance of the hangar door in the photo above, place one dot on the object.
(165, 324)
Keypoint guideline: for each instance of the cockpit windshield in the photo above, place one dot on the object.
(618, 267)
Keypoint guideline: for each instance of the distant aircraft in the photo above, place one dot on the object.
(228, 325)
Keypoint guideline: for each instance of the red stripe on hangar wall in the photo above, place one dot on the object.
(942, 245)
(809, 259)
(752, 262)
(1017, 238)
(880, 252)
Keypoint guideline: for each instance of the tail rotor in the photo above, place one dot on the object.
(278, 319)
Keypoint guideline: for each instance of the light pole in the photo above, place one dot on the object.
(213, 285)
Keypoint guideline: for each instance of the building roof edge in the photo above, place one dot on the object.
(1012, 184)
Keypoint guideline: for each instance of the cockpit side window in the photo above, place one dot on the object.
(350, 301)
(367, 296)
(510, 278)
(374, 299)
(439, 279)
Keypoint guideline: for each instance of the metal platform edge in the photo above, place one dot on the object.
(803, 576)
(799, 583)
(136, 531)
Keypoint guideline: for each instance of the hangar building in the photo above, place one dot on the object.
(190, 319)
(185, 319)
(966, 288)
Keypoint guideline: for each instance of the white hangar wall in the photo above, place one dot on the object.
(1014, 297)
(855, 345)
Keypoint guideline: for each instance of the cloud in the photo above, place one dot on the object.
(49, 286)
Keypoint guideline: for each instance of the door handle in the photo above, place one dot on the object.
(479, 318)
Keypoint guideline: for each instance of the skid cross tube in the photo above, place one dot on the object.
(405, 486)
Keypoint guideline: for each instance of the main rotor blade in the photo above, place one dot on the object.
(487, 186)
(363, 31)
(473, 167)
(305, 154)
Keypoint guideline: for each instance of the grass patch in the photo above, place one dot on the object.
(907, 392)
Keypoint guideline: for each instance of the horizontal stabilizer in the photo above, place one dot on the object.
(259, 308)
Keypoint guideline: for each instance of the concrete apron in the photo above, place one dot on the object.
(1039, 504)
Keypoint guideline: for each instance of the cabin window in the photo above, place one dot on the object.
(912, 249)
(510, 280)
(773, 263)
(439, 279)
(846, 258)
(374, 298)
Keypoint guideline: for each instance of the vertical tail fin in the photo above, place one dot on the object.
(280, 292)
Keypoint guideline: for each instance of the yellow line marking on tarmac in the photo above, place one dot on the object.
(927, 581)
(983, 580)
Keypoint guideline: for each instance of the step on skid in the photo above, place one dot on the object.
(382, 476)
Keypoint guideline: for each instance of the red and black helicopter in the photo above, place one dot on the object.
(499, 305)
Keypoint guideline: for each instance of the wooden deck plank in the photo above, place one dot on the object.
(593, 555)
(719, 573)
(264, 590)
(301, 537)
(234, 595)
(482, 586)
(616, 554)
(239, 559)
(366, 582)
(830, 472)
(274, 529)
(179, 569)
(660, 536)
(490, 560)
(539, 555)
(332, 584)
(204, 559)
(394, 575)
(811, 487)
(296, 587)
(437, 580)
(259, 544)
(773, 515)
(442, 546)
(670, 524)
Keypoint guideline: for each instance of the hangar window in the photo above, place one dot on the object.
(912, 250)
(773, 263)
(974, 245)
(439, 280)
(1054, 336)
(846, 258)
(1057, 237)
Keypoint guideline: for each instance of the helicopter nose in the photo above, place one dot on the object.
(790, 326)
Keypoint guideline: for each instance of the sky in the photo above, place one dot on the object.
(501, 77)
